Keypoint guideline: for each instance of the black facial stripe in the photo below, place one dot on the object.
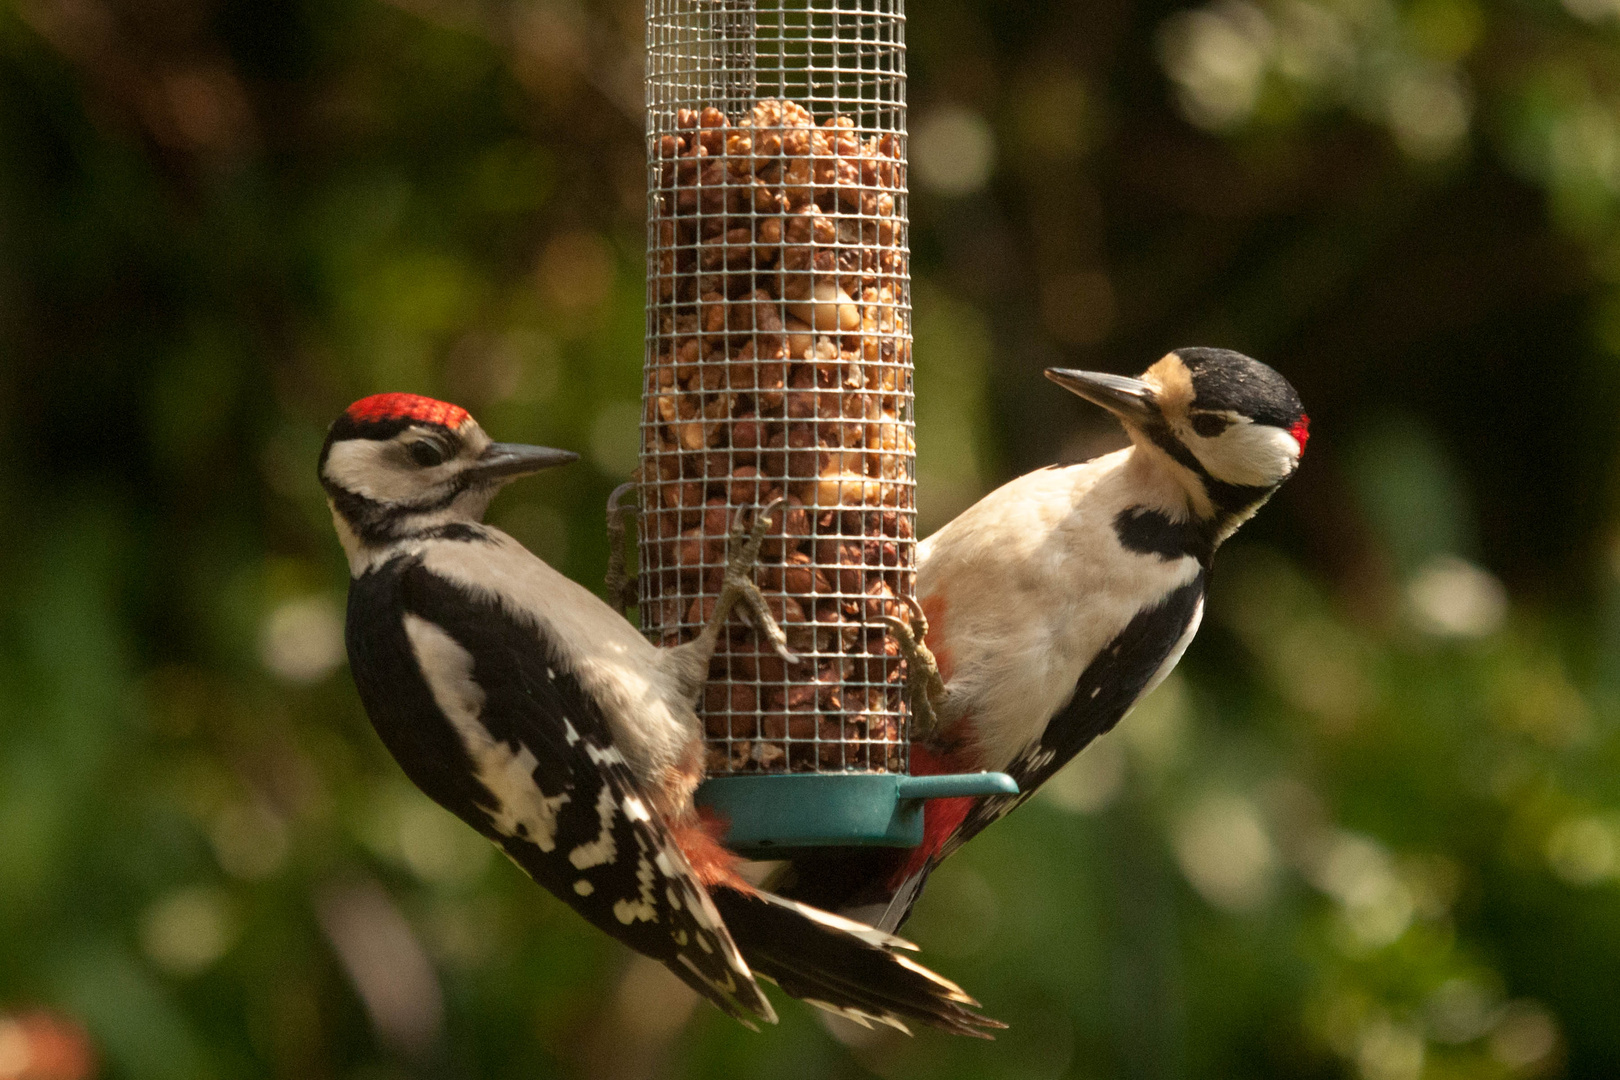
(376, 524)
(1166, 440)
(1231, 499)
(365, 517)
(1228, 499)
(460, 484)
(459, 531)
(456, 489)
(1151, 532)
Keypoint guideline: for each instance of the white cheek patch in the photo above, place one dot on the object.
(368, 468)
(1246, 454)
(521, 809)
(373, 468)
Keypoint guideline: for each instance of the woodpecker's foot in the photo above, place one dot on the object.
(742, 555)
(622, 591)
(924, 687)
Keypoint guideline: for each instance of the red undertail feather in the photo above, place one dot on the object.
(941, 817)
(711, 861)
(380, 407)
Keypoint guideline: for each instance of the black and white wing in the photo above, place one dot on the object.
(486, 718)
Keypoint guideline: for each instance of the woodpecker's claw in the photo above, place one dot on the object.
(622, 590)
(742, 554)
(924, 686)
(690, 662)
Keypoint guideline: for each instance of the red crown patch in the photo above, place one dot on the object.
(380, 407)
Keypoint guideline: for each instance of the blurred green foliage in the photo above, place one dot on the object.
(1372, 827)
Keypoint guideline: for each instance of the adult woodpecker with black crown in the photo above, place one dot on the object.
(524, 705)
(1055, 603)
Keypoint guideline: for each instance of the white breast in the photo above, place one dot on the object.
(1029, 584)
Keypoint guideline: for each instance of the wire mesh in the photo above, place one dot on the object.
(778, 365)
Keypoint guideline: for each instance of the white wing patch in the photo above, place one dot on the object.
(521, 809)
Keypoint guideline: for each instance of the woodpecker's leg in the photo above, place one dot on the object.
(691, 660)
(742, 554)
(924, 686)
(621, 588)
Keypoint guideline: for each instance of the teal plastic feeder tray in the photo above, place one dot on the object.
(769, 814)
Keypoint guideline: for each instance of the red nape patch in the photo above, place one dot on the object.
(381, 407)
(1301, 431)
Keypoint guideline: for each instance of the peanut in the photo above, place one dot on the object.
(779, 364)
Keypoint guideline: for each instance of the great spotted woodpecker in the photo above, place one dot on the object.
(1057, 601)
(525, 706)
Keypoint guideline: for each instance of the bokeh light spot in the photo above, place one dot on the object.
(301, 640)
(1225, 853)
(1452, 598)
(187, 931)
(1583, 851)
(953, 150)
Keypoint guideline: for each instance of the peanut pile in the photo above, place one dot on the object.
(780, 368)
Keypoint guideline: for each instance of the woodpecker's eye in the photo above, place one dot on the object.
(1209, 425)
(426, 453)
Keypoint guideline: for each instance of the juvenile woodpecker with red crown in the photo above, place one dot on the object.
(524, 705)
(1055, 603)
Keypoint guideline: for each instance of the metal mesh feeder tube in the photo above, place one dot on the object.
(778, 366)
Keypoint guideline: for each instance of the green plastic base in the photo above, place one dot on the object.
(768, 813)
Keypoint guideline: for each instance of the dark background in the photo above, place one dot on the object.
(1372, 827)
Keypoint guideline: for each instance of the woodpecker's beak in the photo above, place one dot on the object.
(507, 461)
(1129, 399)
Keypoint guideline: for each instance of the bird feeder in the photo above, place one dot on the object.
(778, 366)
